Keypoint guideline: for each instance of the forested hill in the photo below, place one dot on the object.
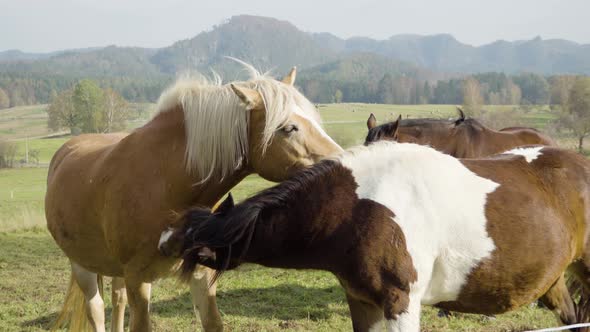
(444, 53)
(140, 73)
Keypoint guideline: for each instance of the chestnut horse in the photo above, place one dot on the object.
(108, 196)
(402, 224)
(461, 138)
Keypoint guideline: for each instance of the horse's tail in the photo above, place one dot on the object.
(73, 312)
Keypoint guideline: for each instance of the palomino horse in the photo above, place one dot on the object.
(461, 138)
(402, 224)
(108, 196)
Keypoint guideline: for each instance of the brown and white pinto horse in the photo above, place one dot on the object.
(461, 138)
(402, 225)
(108, 196)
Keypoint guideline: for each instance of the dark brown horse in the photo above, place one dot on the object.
(402, 225)
(461, 138)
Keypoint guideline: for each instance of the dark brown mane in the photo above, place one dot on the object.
(230, 234)
(520, 128)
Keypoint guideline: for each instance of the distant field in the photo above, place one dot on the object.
(45, 146)
(21, 197)
(31, 121)
(346, 123)
(34, 272)
(23, 121)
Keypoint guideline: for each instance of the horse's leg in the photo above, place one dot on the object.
(365, 316)
(402, 312)
(119, 299)
(558, 300)
(204, 302)
(88, 282)
(138, 294)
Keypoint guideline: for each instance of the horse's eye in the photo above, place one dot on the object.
(290, 128)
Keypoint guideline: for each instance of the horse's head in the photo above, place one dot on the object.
(388, 131)
(285, 132)
(261, 125)
(202, 237)
(177, 239)
(434, 132)
(172, 240)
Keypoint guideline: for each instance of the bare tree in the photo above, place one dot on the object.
(472, 98)
(61, 112)
(576, 114)
(34, 156)
(7, 154)
(560, 90)
(514, 93)
(116, 111)
(4, 100)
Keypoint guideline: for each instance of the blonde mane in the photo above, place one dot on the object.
(216, 121)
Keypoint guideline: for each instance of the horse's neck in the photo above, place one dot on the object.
(499, 141)
(165, 137)
(476, 145)
(296, 234)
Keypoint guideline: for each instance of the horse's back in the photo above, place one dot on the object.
(72, 201)
(537, 219)
(529, 136)
(82, 148)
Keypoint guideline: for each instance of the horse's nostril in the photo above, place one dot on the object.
(163, 250)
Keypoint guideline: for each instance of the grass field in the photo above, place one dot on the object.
(34, 275)
(23, 121)
(34, 272)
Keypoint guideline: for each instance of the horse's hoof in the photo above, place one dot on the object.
(444, 313)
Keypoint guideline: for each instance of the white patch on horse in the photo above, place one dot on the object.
(165, 236)
(316, 125)
(407, 321)
(438, 203)
(529, 154)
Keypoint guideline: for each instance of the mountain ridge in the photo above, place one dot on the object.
(269, 42)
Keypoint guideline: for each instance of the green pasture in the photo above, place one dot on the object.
(34, 276)
(23, 121)
(34, 272)
(45, 146)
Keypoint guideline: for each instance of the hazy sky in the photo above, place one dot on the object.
(47, 25)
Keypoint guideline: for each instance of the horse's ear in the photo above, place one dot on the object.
(226, 205)
(395, 127)
(371, 122)
(290, 78)
(461, 115)
(251, 98)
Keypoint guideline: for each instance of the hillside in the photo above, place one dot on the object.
(140, 74)
(444, 53)
(265, 42)
(271, 43)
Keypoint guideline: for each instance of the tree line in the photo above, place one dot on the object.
(18, 89)
(385, 88)
(495, 89)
